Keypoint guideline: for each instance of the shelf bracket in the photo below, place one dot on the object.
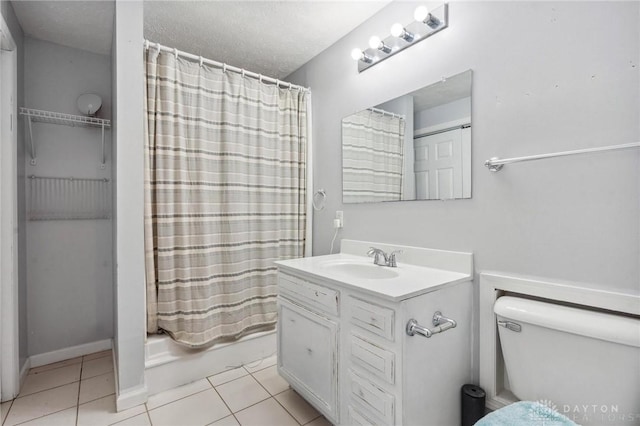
(104, 159)
(33, 144)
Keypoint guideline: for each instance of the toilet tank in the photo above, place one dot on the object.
(585, 364)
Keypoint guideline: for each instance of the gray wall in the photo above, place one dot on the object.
(70, 292)
(547, 76)
(129, 231)
(6, 9)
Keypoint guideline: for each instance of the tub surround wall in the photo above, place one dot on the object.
(69, 274)
(545, 79)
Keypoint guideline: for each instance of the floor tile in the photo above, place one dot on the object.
(61, 418)
(266, 413)
(242, 393)
(50, 379)
(4, 409)
(139, 420)
(227, 421)
(227, 376)
(42, 403)
(103, 412)
(36, 370)
(97, 387)
(271, 380)
(96, 367)
(320, 421)
(197, 410)
(300, 409)
(175, 394)
(262, 364)
(97, 355)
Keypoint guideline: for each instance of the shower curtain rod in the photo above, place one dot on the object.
(150, 44)
(383, 112)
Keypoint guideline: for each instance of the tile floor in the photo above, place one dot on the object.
(80, 391)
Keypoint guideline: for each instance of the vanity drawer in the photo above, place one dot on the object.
(373, 318)
(371, 399)
(373, 359)
(310, 294)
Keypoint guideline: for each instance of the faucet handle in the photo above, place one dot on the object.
(374, 251)
(379, 256)
(392, 258)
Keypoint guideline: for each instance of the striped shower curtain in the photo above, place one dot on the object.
(372, 157)
(225, 196)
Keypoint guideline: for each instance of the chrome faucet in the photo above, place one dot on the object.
(381, 258)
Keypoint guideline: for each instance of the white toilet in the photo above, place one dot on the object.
(582, 363)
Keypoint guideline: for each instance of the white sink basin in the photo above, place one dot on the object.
(358, 269)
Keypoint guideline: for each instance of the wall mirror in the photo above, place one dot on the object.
(414, 147)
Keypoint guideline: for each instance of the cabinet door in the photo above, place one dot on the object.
(308, 355)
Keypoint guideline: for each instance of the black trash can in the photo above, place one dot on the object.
(472, 404)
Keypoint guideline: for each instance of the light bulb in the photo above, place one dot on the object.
(397, 29)
(356, 54)
(421, 13)
(374, 42)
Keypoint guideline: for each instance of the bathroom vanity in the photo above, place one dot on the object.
(343, 342)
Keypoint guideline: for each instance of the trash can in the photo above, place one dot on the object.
(472, 404)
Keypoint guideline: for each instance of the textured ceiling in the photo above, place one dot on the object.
(86, 25)
(270, 37)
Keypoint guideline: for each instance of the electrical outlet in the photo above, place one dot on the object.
(340, 217)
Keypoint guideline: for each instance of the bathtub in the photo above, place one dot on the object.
(168, 364)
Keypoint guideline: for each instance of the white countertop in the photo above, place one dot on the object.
(411, 281)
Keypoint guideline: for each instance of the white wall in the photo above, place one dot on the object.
(546, 77)
(129, 151)
(69, 262)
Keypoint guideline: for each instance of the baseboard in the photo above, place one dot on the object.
(68, 353)
(24, 371)
(131, 398)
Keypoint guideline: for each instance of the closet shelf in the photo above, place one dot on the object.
(42, 116)
(51, 117)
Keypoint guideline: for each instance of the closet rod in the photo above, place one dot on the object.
(149, 45)
(495, 164)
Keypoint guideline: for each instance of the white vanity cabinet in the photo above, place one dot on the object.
(342, 343)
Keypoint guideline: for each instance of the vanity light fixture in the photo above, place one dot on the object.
(426, 23)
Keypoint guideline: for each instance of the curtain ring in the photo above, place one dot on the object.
(243, 70)
(175, 52)
(146, 44)
(224, 68)
(277, 83)
(201, 60)
(260, 78)
(290, 85)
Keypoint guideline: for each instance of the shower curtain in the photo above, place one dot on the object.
(225, 196)
(372, 157)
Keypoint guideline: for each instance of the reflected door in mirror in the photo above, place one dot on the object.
(439, 165)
